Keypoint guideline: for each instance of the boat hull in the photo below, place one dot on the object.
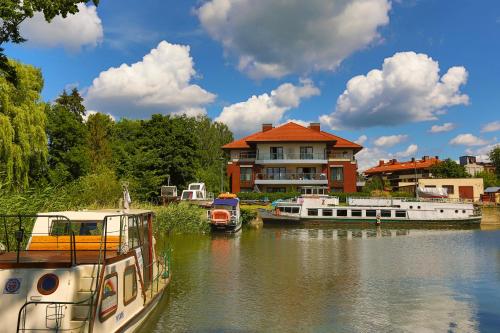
(229, 229)
(269, 218)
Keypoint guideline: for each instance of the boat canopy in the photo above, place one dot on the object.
(229, 201)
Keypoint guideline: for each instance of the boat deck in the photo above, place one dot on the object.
(45, 259)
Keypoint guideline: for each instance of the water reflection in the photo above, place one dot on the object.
(334, 280)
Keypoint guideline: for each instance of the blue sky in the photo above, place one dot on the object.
(297, 59)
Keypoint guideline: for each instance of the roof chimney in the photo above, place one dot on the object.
(413, 159)
(315, 127)
(267, 127)
(425, 158)
(380, 162)
(394, 161)
(436, 157)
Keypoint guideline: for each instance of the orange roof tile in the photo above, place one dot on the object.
(394, 165)
(291, 132)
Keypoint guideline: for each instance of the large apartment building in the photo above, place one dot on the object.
(292, 157)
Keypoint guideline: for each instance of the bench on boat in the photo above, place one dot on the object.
(63, 243)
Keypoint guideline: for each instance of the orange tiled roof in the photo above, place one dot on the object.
(394, 165)
(291, 132)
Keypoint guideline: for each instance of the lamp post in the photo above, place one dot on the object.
(221, 174)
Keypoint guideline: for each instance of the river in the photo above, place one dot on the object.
(335, 280)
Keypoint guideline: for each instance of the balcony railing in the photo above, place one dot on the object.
(340, 156)
(291, 176)
(248, 155)
(292, 156)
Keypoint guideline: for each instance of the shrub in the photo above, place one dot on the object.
(267, 196)
(182, 217)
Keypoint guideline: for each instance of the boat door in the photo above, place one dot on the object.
(147, 251)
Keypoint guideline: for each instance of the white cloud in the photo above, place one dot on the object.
(482, 153)
(390, 140)
(88, 113)
(159, 83)
(361, 140)
(408, 88)
(272, 38)
(410, 151)
(246, 117)
(491, 127)
(468, 140)
(446, 127)
(81, 29)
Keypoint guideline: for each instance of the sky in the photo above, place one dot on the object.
(404, 78)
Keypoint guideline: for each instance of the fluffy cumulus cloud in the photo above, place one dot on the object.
(272, 38)
(361, 140)
(159, 83)
(408, 88)
(446, 127)
(81, 29)
(370, 156)
(491, 127)
(246, 117)
(468, 140)
(390, 140)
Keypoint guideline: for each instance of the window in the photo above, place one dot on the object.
(295, 210)
(276, 173)
(355, 213)
(129, 284)
(418, 207)
(109, 297)
(337, 173)
(306, 153)
(306, 173)
(275, 189)
(385, 213)
(246, 174)
(400, 213)
(327, 212)
(246, 190)
(456, 211)
(312, 212)
(371, 212)
(450, 189)
(411, 207)
(81, 228)
(276, 153)
(430, 186)
(187, 195)
(341, 212)
(133, 233)
(442, 211)
(463, 211)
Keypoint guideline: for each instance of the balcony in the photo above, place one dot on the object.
(333, 156)
(291, 179)
(292, 158)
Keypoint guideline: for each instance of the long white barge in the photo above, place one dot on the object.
(372, 210)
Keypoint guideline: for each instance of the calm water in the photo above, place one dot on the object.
(334, 280)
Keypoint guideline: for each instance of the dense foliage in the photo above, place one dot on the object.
(23, 144)
(489, 179)
(494, 156)
(449, 169)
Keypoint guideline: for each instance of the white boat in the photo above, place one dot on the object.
(80, 271)
(372, 210)
(196, 192)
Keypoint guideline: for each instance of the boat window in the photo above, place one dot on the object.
(312, 212)
(371, 212)
(385, 213)
(442, 211)
(133, 232)
(411, 207)
(199, 194)
(109, 297)
(418, 207)
(327, 212)
(295, 210)
(456, 211)
(186, 195)
(81, 228)
(341, 212)
(129, 284)
(356, 213)
(225, 207)
(400, 213)
(463, 211)
(194, 187)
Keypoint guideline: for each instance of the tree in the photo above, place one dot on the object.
(14, 12)
(489, 179)
(449, 169)
(495, 159)
(99, 127)
(23, 144)
(68, 136)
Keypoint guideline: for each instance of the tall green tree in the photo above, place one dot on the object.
(449, 169)
(489, 179)
(23, 144)
(14, 12)
(99, 127)
(68, 139)
(495, 159)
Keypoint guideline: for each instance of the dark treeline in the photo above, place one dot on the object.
(57, 145)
